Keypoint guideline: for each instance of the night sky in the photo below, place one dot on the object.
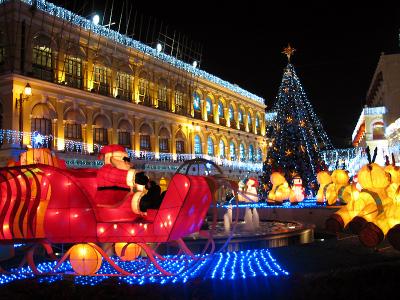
(338, 47)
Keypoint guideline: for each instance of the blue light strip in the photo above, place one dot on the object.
(80, 21)
(306, 203)
(220, 266)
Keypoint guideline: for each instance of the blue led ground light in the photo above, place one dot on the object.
(220, 266)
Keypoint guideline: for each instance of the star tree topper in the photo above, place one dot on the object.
(288, 51)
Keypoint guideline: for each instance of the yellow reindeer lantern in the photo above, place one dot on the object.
(280, 189)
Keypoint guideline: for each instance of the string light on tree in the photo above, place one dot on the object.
(297, 132)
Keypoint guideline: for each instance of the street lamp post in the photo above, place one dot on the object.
(27, 92)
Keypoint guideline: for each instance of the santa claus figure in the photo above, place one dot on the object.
(116, 179)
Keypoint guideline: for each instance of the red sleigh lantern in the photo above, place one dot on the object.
(46, 204)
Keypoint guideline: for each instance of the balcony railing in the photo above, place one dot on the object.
(197, 114)
(222, 121)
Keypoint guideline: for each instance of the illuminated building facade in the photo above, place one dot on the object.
(92, 86)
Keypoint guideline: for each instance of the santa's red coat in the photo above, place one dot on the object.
(112, 187)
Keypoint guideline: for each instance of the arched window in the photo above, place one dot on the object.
(101, 80)
(232, 151)
(180, 142)
(257, 123)
(73, 66)
(197, 145)
(378, 131)
(240, 116)
(251, 153)
(42, 115)
(42, 58)
(164, 138)
(100, 132)
(73, 127)
(144, 89)
(249, 121)
(221, 149)
(196, 101)
(180, 101)
(145, 133)
(162, 94)
(123, 84)
(259, 154)
(209, 106)
(124, 133)
(210, 146)
(242, 152)
(220, 109)
(231, 113)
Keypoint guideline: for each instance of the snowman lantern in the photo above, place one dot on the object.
(297, 192)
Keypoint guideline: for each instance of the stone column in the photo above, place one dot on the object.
(89, 128)
(136, 145)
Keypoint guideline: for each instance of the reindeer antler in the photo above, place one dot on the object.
(375, 153)
(387, 162)
(393, 160)
(368, 154)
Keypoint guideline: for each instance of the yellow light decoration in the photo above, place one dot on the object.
(132, 251)
(84, 259)
(288, 152)
(289, 119)
(324, 179)
(280, 188)
(302, 123)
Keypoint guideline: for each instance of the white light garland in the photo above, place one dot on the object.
(86, 24)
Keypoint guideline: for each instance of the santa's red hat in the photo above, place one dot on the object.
(112, 148)
(255, 184)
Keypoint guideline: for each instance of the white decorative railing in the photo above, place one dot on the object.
(79, 148)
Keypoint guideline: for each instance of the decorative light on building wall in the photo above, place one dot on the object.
(81, 22)
(159, 48)
(96, 19)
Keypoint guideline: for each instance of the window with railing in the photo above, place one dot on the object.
(145, 142)
(124, 139)
(197, 105)
(42, 59)
(162, 95)
(144, 92)
(197, 145)
(231, 114)
(73, 132)
(101, 80)
(257, 124)
(41, 125)
(180, 147)
(73, 72)
(123, 84)
(100, 136)
(180, 105)
(210, 146)
(164, 146)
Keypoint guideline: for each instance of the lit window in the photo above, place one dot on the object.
(164, 145)
(210, 146)
(145, 142)
(232, 151)
(162, 95)
(240, 116)
(231, 113)
(101, 80)
(220, 110)
(124, 86)
(222, 149)
(249, 119)
(196, 101)
(208, 106)
(242, 152)
(124, 138)
(73, 72)
(251, 153)
(197, 145)
(100, 136)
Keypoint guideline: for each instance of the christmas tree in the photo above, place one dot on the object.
(296, 133)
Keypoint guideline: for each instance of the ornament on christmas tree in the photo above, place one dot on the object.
(295, 147)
